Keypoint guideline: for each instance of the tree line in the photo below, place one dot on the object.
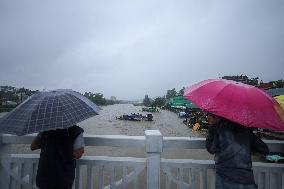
(98, 98)
(162, 100)
(17, 95)
(10, 97)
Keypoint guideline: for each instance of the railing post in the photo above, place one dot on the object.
(154, 147)
(4, 150)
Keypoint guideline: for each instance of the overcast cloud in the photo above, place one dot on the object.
(131, 48)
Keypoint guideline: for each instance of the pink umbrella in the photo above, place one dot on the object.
(238, 102)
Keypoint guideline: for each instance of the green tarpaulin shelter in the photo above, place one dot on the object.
(181, 102)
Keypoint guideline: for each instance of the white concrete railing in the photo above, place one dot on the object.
(151, 172)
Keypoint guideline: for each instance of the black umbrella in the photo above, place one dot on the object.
(48, 110)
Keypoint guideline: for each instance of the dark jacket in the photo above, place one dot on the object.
(56, 164)
(232, 145)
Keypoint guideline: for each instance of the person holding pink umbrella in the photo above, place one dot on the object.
(232, 145)
(233, 110)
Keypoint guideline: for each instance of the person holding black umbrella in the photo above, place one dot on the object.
(54, 115)
(59, 150)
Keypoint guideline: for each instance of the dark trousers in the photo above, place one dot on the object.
(57, 187)
(225, 184)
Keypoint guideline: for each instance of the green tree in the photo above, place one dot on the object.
(159, 101)
(147, 101)
(180, 93)
(279, 83)
(97, 98)
(243, 78)
(171, 93)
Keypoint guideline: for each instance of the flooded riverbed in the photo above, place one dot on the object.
(106, 123)
(167, 122)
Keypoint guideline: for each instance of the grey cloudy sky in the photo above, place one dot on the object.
(131, 48)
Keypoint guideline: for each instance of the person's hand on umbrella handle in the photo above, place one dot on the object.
(77, 153)
(36, 143)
